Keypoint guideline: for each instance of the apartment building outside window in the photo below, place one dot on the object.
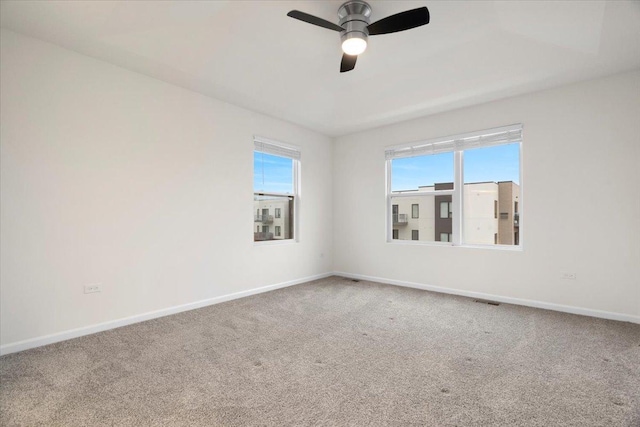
(275, 190)
(467, 187)
(445, 209)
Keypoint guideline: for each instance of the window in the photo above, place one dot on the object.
(275, 189)
(468, 186)
(415, 211)
(395, 233)
(445, 209)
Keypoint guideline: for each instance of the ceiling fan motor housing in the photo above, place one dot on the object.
(354, 18)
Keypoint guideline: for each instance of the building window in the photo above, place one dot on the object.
(275, 188)
(445, 209)
(415, 211)
(415, 235)
(463, 182)
(445, 237)
(395, 233)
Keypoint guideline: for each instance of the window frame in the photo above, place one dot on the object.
(296, 194)
(457, 194)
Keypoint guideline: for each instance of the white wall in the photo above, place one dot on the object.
(111, 177)
(580, 210)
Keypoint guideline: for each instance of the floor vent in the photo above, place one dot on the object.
(484, 301)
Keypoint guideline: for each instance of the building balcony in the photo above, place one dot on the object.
(400, 219)
(265, 219)
(258, 237)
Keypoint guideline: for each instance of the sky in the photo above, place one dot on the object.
(272, 174)
(499, 163)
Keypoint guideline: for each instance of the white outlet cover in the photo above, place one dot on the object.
(90, 289)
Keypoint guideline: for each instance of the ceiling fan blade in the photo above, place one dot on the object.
(314, 20)
(400, 21)
(348, 62)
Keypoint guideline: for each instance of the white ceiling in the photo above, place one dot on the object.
(249, 53)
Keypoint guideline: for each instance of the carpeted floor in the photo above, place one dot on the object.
(335, 353)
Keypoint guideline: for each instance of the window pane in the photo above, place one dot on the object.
(421, 172)
(445, 209)
(491, 191)
(429, 227)
(265, 206)
(272, 174)
(415, 211)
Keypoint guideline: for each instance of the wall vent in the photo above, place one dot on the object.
(485, 301)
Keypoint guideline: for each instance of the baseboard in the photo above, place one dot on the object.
(507, 300)
(112, 324)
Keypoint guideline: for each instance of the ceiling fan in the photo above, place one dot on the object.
(354, 27)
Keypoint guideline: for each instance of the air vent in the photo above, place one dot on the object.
(484, 301)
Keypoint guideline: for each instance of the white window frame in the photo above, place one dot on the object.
(293, 152)
(457, 144)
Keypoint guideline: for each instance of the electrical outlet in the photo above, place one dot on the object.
(90, 289)
(568, 276)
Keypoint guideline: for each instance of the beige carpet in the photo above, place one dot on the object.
(335, 353)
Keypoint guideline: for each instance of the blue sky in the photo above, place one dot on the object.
(499, 163)
(272, 173)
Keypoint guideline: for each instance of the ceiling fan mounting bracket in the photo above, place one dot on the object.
(354, 9)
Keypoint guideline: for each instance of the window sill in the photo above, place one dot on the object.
(275, 242)
(508, 248)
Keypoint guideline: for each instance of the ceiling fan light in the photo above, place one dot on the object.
(354, 46)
